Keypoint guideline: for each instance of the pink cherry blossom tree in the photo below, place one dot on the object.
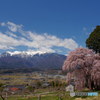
(83, 67)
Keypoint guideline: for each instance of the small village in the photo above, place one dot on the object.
(32, 83)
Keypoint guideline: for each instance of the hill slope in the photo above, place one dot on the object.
(37, 61)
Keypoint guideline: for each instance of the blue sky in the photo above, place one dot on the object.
(66, 23)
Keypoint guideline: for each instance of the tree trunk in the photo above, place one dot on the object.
(2, 97)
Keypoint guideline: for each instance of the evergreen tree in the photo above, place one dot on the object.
(93, 42)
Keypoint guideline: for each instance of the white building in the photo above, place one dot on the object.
(70, 88)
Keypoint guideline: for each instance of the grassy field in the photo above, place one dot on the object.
(36, 98)
(52, 96)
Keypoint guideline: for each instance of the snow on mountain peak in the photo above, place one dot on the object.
(30, 53)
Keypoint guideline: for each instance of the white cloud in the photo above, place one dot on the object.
(11, 26)
(42, 42)
(4, 47)
(11, 34)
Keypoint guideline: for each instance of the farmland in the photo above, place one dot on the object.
(37, 86)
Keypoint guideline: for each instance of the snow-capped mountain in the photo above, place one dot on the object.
(37, 60)
(22, 53)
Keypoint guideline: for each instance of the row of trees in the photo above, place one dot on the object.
(83, 65)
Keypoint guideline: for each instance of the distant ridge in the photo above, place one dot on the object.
(36, 60)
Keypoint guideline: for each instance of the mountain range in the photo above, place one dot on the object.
(36, 60)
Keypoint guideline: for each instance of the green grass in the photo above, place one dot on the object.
(52, 96)
(36, 98)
